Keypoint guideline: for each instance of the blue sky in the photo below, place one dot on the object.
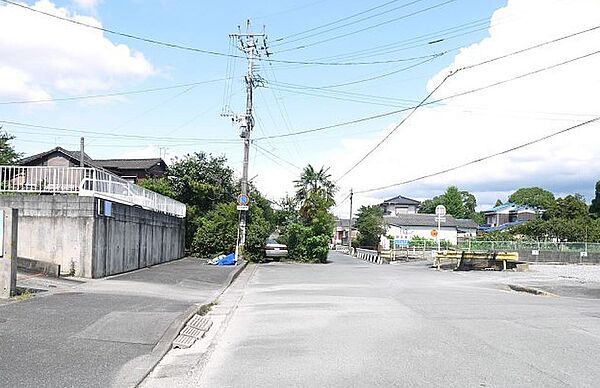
(44, 49)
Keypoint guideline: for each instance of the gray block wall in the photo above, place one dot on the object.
(70, 231)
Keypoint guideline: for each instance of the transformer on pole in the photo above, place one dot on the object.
(253, 46)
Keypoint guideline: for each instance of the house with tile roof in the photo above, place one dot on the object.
(400, 205)
(128, 169)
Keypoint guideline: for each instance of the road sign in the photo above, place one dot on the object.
(440, 210)
(243, 200)
(243, 207)
(434, 232)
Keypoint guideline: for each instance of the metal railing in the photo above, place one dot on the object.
(369, 256)
(85, 181)
(546, 246)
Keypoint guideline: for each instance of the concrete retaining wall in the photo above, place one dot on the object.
(74, 232)
(55, 228)
(133, 238)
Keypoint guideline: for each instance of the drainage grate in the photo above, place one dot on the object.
(183, 341)
(192, 332)
(200, 323)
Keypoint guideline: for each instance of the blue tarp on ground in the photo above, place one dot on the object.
(227, 260)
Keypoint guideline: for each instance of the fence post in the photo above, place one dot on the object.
(8, 261)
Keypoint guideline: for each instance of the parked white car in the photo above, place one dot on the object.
(275, 250)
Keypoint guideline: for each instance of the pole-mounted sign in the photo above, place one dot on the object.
(243, 202)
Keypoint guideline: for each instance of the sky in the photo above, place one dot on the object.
(495, 75)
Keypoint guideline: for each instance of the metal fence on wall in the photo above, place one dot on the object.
(85, 181)
(542, 246)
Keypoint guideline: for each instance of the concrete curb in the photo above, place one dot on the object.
(166, 341)
(38, 266)
(530, 290)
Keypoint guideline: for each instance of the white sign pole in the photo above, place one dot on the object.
(437, 236)
(440, 211)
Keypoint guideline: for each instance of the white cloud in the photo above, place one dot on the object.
(51, 56)
(482, 123)
(89, 5)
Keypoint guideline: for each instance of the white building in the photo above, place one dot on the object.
(404, 227)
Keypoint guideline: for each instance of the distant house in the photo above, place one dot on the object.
(403, 227)
(466, 228)
(134, 169)
(340, 232)
(129, 169)
(400, 205)
(509, 214)
(57, 157)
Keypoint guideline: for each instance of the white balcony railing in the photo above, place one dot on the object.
(85, 181)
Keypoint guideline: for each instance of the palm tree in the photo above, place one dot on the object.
(315, 182)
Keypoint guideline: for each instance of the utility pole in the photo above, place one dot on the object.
(250, 45)
(350, 225)
(81, 152)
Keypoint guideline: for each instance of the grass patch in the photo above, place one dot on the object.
(205, 308)
(23, 294)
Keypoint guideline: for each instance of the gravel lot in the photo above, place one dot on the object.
(577, 273)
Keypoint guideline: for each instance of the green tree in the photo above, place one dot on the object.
(569, 207)
(428, 205)
(158, 185)
(469, 204)
(595, 206)
(312, 181)
(370, 225)
(202, 180)
(498, 202)
(459, 204)
(308, 233)
(533, 196)
(216, 232)
(8, 155)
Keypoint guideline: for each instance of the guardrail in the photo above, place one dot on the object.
(341, 248)
(369, 256)
(85, 181)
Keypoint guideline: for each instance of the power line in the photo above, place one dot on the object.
(276, 156)
(113, 135)
(385, 49)
(190, 48)
(478, 160)
(294, 91)
(151, 90)
(368, 118)
(341, 20)
(396, 127)
(115, 94)
(379, 76)
(369, 27)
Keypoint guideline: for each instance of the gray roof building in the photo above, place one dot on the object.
(400, 200)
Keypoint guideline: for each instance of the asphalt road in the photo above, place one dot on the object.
(98, 333)
(353, 324)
